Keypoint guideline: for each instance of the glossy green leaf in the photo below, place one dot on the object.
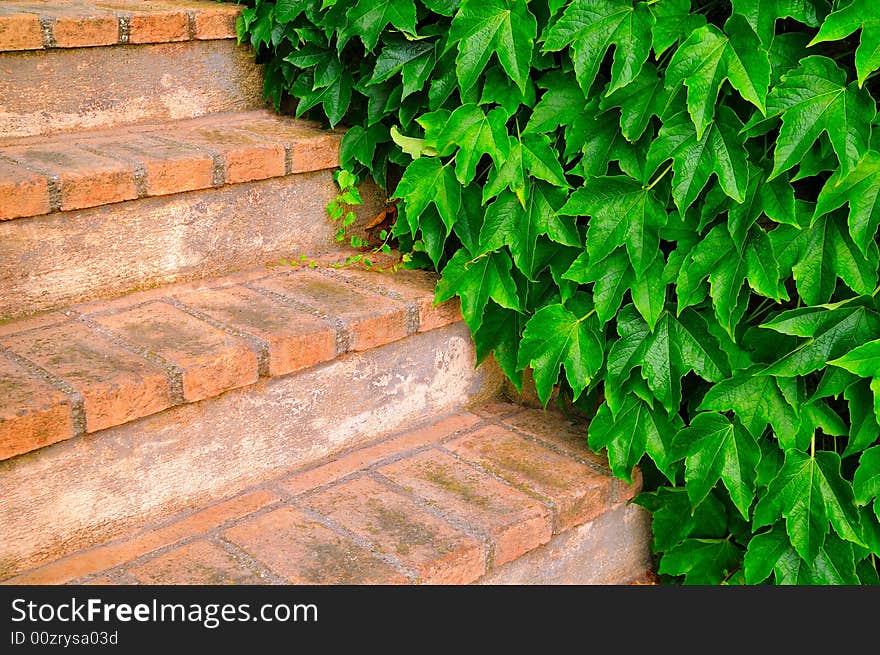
(852, 16)
(701, 561)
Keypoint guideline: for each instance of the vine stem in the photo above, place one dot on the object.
(659, 177)
(813, 446)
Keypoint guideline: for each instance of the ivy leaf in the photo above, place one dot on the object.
(426, 180)
(727, 268)
(771, 552)
(611, 277)
(673, 21)
(701, 561)
(508, 223)
(866, 482)
(757, 402)
(665, 355)
(763, 14)
(863, 360)
(829, 333)
(864, 426)
(560, 99)
(635, 429)
(649, 291)
(861, 190)
(500, 334)
(359, 144)
(498, 89)
(622, 212)
(597, 137)
(858, 14)
(475, 280)
(591, 27)
(815, 98)
(674, 519)
(642, 98)
(717, 448)
(483, 27)
(708, 57)
(369, 18)
(413, 60)
(810, 494)
(540, 159)
(475, 134)
(287, 11)
(720, 152)
(826, 252)
(334, 95)
(554, 336)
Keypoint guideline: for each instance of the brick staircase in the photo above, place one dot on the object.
(174, 410)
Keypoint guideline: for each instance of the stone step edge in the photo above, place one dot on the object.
(28, 27)
(532, 513)
(41, 175)
(100, 364)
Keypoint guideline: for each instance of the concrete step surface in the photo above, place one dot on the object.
(500, 494)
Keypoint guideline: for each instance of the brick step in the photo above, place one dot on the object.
(496, 495)
(260, 184)
(84, 64)
(119, 410)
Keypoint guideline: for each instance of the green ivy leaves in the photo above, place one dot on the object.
(670, 206)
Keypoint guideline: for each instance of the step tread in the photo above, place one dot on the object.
(66, 172)
(406, 508)
(96, 365)
(39, 25)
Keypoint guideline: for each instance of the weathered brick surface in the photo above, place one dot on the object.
(516, 522)
(19, 31)
(86, 179)
(555, 430)
(216, 22)
(355, 460)
(304, 551)
(579, 492)
(210, 360)
(372, 319)
(116, 385)
(200, 562)
(33, 414)
(393, 523)
(296, 340)
(168, 167)
(85, 23)
(415, 514)
(122, 551)
(245, 157)
(22, 192)
(410, 286)
(158, 26)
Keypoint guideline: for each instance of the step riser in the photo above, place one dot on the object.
(69, 257)
(44, 92)
(90, 489)
(614, 548)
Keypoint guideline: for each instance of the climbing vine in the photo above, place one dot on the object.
(668, 211)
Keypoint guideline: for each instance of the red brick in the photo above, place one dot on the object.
(87, 180)
(111, 555)
(578, 491)
(116, 385)
(305, 552)
(411, 286)
(245, 157)
(217, 22)
(343, 465)
(72, 31)
(169, 168)
(155, 26)
(516, 522)
(310, 150)
(558, 431)
(201, 563)
(211, 360)
(33, 414)
(20, 32)
(296, 340)
(374, 320)
(397, 526)
(22, 192)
